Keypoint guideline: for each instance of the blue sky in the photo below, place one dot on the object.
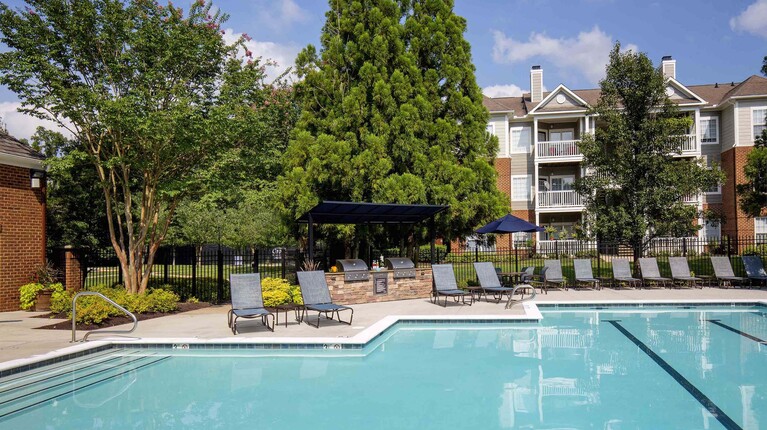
(712, 41)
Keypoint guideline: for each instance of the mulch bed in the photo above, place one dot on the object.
(118, 320)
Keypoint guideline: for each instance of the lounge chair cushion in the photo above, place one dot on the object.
(314, 288)
(253, 312)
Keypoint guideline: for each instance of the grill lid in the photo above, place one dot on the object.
(351, 265)
(395, 263)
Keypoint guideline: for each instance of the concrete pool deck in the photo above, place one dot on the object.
(21, 338)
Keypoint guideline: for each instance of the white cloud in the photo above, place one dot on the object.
(752, 20)
(281, 14)
(283, 55)
(587, 53)
(22, 126)
(503, 91)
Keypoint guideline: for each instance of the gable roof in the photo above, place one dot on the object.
(15, 153)
(560, 89)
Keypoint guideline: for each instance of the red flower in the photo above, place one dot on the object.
(248, 53)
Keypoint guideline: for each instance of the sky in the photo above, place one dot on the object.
(711, 40)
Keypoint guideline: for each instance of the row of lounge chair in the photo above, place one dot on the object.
(248, 299)
(445, 285)
(724, 276)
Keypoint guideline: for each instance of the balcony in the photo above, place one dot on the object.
(558, 149)
(559, 199)
(690, 198)
(689, 145)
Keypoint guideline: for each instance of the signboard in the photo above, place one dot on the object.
(380, 283)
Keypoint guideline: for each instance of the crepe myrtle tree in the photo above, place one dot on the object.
(637, 190)
(753, 193)
(151, 94)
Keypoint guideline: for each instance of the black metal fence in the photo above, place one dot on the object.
(204, 273)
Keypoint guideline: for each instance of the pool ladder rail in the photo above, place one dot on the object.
(94, 293)
(510, 302)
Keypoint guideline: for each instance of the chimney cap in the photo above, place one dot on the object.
(536, 68)
(667, 58)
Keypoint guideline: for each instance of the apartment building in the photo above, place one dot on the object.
(539, 158)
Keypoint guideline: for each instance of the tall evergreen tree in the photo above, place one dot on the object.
(392, 113)
(636, 192)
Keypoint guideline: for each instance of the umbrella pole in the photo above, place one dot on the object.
(516, 256)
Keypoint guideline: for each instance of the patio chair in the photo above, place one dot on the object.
(528, 275)
(754, 269)
(680, 272)
(489, 281)
(247, 300)
(552, 276)
(651, 273)
(316, 296)
(584, 276)
(444, 284)
(723, 272)
(622, 273)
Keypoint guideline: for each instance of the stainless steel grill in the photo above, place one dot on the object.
(354, 269)
(402, 267)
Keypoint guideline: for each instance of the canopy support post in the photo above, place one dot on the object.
(432, 237)
(311, 238)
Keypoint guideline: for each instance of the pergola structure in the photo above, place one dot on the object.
(330, 212)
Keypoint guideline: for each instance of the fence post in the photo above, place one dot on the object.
(255, 261)
(476, 253)
(194, 272)
(284, 262)
(165, 265)
(119, 273)
(220, 283)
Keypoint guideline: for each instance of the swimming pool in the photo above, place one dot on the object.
(627, 367)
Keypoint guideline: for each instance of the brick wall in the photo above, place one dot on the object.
(736, 222)
(503, 178)
(349, 293)
(22, 233)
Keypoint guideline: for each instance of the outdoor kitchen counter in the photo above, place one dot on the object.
(373, 290)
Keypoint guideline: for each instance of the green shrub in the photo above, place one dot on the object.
(93, 310)
(28, 294)
(756, 250)
(278, 291)
(162, 300)
(61, 301)
(193, 299)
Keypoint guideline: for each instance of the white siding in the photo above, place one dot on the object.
(745, 126)
(727, 126)
(499, 122)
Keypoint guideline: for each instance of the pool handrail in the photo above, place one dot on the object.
(94, 293)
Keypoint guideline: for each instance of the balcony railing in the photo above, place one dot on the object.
(553, 199)
(560, 148)
(689, 144)
(689, 198)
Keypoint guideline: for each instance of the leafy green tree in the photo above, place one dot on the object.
(392, 113)
(636, 191)
(151, 95)
(753, 193)
(74, 203)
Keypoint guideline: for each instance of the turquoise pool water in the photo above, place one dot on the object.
(580, 368)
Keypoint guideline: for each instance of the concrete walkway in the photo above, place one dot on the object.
(20, 338)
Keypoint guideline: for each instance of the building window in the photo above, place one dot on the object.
(711, 230)
(520, 139)
(760, 229)
(522, 239)
(709, 130)
(520, 188)
(491, 129)
(713, 190)
(758, 116)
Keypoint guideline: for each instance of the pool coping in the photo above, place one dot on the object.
(531, 314)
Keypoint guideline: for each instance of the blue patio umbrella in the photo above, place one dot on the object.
(510, 224)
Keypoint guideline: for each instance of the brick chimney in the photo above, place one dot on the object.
(668, 65)
(536, 84)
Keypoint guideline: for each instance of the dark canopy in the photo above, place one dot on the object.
(509, 224)
(369, 213)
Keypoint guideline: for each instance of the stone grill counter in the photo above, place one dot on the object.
(372, 291)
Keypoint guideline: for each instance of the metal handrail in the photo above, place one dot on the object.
(94, 293)
(510, 302)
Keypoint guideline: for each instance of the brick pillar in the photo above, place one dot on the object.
(736, 223)
(70, 265)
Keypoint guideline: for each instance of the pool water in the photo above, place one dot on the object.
(579, 368)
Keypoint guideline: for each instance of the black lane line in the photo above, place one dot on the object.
(80, 388)
(707, 403)
(734, 330)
